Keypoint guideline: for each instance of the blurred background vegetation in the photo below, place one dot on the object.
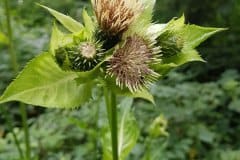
(199, 103)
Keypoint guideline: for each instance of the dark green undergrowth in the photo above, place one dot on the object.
(202, 124)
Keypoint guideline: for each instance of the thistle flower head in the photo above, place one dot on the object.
(87, 50)
(81, 57)
(114, 16)
(130, 64)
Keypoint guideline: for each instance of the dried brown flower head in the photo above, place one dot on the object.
(114, 16)
(130, 64)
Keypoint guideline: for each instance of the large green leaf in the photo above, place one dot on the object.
(43, 83)
(68, 22)
(195, 35)
(128, 132)
(3, 38)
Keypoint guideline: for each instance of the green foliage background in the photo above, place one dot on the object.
(200, 101)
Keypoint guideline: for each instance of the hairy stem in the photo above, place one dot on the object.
(15, 68)
(111, 105)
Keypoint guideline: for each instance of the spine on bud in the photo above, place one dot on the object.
(80, 57)
(171, 43)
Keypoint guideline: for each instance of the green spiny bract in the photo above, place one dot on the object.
(171, 43)
(136, 50)
(80, 57)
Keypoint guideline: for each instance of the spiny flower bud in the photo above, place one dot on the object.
(82, 57)
(114, 16)
(171, 43)
(130, 64)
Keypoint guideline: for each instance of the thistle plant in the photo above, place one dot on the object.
(118, 50)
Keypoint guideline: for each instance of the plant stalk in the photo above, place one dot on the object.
(10, 37)
(97, 127)
(10, 125)
(15, 68)
(110, 99)
(23, 111)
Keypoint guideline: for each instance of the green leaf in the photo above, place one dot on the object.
(235, 105)
(187, 55)
(128, 132)
(43, 83)
(144, 94)
(155, 30)
(175, 24)
(229, 154)
(205, 134)
(3, 39)
(194, 35)
(178, 41)
(170, 37)
(68, 22)
(169, 63)
(141, 24)
(59, 39)
(88, 22)
(163, 69)
(148, 10)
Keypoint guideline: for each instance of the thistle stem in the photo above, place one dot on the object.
(110, 99)
(15, 68)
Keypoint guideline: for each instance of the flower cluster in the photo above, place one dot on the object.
(131, 60)
(138, 51)
(133, 53)
(118, 45)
